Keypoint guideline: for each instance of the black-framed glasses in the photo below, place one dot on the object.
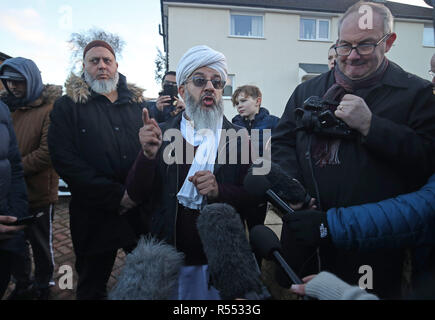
(361, 49)
(201, 82)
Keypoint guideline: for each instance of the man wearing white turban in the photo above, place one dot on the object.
(175, 192)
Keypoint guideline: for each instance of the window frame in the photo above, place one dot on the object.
(250, 14)
(231, 76)
(428, 26)
(317, 20)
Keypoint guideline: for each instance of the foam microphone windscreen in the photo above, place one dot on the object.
(232, 266)
(150, 272)
(264, 241)
(286, 187)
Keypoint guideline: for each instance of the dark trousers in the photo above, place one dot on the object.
(93, 273)
(39, 235)
(5, 270)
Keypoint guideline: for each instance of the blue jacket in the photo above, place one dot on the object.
(406, 220)
(263, 120)
(13, 194)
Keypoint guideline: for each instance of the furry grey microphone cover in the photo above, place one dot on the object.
(150, 272)
(233, 269)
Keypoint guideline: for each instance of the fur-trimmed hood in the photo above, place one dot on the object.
(50, 93)
(79, 91)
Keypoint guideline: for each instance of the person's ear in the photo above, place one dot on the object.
(258, 103)
(181, 90)
(389, 42)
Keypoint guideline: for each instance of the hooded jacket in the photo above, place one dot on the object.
(13, 195)
(93, 143)
(33, 79)
(31, 121)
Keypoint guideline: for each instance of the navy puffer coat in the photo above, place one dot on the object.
(13, 195)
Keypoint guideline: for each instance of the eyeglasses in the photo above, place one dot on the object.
(431, 73)
(361, 49)
(201, 82)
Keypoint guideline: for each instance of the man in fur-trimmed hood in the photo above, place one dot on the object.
(93, 141)
(31, 102)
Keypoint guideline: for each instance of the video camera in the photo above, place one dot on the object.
(316, 116)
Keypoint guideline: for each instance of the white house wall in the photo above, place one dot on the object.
(272, 63)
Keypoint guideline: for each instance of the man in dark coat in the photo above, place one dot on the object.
(391, 152)
(31, 102)
(13, 197)
(176, 191)
(93, 142)
(167, 105)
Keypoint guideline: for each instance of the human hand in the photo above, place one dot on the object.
(307, 227)
(126, 203)
(354, 111)
(163, 101)
(150, 136)
(311, 205)
(179, 106)
(206, 184)
(7, 232)
(300, 288)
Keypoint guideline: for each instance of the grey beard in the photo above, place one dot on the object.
(203, 118)
(102, 86)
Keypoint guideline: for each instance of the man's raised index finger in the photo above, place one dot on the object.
(145, 116)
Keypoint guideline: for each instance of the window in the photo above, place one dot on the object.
(314, 29)
(243, 25)
(428, 35)
(229, 87)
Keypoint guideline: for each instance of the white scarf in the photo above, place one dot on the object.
(205, 156)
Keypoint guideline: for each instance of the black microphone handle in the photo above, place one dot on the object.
(278, 202)
(293, 276)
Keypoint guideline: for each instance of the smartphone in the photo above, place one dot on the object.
(28, 220)
(170, 90)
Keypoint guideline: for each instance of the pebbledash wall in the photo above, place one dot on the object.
(272, 62)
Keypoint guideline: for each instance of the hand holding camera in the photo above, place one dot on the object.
(167, 97)
(354, 111)
(317, 116)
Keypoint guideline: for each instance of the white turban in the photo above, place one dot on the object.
(198, 57)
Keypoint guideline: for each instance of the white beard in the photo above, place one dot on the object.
(203, 118)
(102, 86)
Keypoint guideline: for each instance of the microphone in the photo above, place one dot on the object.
(232, 265)
(150, 272)
(266, 243)
(277, 187)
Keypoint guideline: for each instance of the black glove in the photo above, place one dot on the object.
(307, 227)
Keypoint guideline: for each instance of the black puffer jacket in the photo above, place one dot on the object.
(13, 195)
(93, 144)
